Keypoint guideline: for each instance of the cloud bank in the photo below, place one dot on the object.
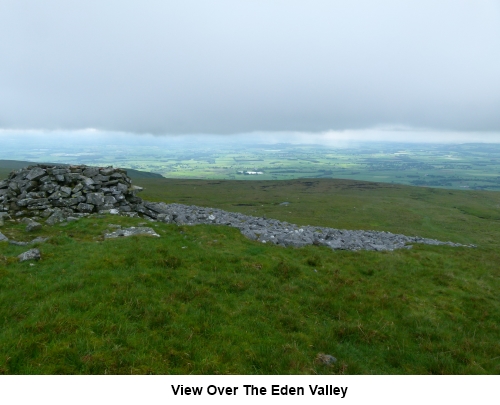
(223, 67)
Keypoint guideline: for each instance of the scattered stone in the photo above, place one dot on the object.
(16, 243)
(3, 238)
(131, 232)
(39, 240)
(33, 226)
(284, 234)
(285, 203)
(32, 254)
(56, 217)
(325, 359)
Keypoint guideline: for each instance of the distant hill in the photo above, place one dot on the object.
(137, 174)
(7, 166)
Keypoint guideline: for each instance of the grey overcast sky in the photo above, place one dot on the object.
(237, 66)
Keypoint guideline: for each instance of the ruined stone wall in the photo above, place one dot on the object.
(64, 193)
(60, 191)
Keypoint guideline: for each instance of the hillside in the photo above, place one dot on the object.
(206, 300)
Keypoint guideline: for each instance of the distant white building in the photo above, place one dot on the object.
(248, 172)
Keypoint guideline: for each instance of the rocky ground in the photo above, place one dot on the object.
(283, 233)
(53, 194)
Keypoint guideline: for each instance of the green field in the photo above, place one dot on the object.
(206, 300)
(454, 166)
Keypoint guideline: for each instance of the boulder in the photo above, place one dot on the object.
(35, 173)
(33, 226)
(95, 198)
(32, 254)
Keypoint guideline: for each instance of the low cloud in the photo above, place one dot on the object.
(225, 67)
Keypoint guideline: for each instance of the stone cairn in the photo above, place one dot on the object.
(61, 193)
(58, 192)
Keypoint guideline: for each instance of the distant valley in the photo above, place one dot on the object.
(453, 166)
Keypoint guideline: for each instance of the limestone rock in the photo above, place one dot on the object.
(95, 198)
(35, 173)
(131, 232)
(56, 217)
(326, 359)
(32, 254)
(33, 226)
(2, 216)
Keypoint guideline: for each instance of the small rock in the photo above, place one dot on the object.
(131, 232)
(56, 217)
(16, 243)
(39, 240)
(32, 254)
(325, 359)
(3, 238)
(33, 226)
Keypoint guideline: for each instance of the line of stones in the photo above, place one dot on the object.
(283, 233)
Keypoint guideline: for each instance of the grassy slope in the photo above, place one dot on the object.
(206, 300)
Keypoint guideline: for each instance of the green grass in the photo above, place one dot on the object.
(206, 300)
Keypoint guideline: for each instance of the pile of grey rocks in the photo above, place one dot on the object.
(60, 193)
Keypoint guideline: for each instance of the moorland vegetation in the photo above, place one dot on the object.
(206, 300)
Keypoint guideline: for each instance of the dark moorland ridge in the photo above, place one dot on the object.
(7, 165)
(59, 193)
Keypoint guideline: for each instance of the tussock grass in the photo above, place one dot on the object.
(206, 300)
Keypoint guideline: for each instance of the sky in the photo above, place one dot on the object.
(315, 69)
